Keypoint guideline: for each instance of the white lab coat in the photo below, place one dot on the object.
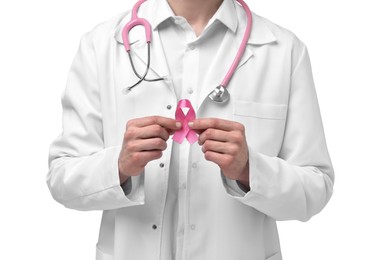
(272, 94)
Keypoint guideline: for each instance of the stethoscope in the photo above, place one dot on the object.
(220, 94)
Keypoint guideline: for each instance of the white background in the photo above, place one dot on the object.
(38, 41)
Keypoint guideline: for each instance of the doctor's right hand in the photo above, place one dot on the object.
(144, 140)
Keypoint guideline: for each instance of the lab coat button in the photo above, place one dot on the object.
(194, 165)
(161, 165)
(169, 107)
(190, 91)
(154, 226)
(192, 227)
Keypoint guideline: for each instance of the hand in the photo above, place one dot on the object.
(223, 142)
(144, 140)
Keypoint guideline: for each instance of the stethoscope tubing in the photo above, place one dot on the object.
(136, 21)
(242, 47)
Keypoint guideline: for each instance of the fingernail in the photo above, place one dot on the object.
(178, 124)
(191, 124)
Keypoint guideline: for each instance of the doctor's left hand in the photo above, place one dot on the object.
(223, 142)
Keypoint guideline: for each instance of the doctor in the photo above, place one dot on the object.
(260, 157)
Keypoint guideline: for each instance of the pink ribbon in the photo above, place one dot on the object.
(185, 131)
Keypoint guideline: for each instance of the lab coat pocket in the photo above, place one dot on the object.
(260, 110)
(264, 124)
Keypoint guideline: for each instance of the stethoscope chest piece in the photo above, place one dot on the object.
(219, 94)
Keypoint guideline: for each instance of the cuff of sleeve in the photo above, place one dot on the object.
(102, 190)
(132, 191)
(232, 187)
(236, 190)
(133, 188)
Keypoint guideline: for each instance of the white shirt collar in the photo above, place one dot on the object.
(162, 12)
(228, 14)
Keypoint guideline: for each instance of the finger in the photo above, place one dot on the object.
(218, 158)
(168, 123)
(142, 158)
(218, 147)
(152, 131)
(213, 134)
(171, 131)
(151, 144)
(217, 123)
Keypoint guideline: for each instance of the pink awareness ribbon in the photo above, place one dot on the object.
(185, 131)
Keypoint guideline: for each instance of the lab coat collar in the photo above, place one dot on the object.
(261, 34)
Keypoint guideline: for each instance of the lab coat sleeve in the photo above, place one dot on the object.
(298, 183)
(83, 173)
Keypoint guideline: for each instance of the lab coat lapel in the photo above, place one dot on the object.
(260, 35)
(221, 64)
